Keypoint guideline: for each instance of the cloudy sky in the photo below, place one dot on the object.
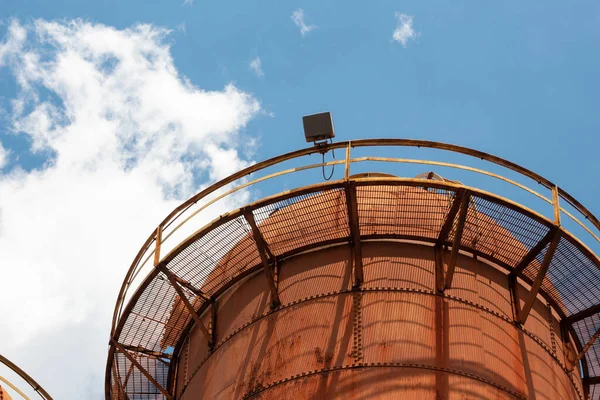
(112, 112)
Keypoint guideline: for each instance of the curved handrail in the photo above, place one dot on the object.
(30, 381)
(14, 387)
(182, 208)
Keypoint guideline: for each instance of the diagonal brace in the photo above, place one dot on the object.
(587, 346)
(142, 369)
(151, 353)
(533, 253)
(445, 231)
(460, 225)
(583, 314)
(191, 288)
(537, 283)
(265, 255)
(187, 305)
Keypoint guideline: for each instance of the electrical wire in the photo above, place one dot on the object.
(332, 167)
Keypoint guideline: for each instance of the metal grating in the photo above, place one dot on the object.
(134, 383)
(321, 217)
(575, 276)
(499, 231)
(595, 392)
(585, 329)
(402, 210)
(217, 256)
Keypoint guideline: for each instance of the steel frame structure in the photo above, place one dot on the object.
(30, 381)
(454, 223)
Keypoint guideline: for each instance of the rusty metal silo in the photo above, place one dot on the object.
(371, 286)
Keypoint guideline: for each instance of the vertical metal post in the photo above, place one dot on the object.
(460, 224)
(556, 204)
(347, 164)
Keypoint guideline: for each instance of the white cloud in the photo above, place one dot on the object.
(187, 2)
(298, 18)
(3, 156)
(256, 66)
(404, 29)
(130, 139)
(181, 27)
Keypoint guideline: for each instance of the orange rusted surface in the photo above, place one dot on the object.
(391, 337)
(4, 394)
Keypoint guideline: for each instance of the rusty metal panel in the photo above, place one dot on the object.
(547, 379)
(307, 275)
(493, 290)
(398, 327)
(368, 383)
(399, 265)
(503, 362)
(308, 335)
(242, 304)
(537, 322)
(461, 388)
(382, 383)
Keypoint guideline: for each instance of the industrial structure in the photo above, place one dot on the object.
(4, 395)
(370, 286)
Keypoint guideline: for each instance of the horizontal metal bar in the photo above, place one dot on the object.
(139, 349)
(583, 314)
(452, 165)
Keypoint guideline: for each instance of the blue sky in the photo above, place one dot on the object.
(518, 80)
(503, 77)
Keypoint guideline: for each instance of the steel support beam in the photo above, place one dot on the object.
(266, 256)
(587, 346)
(583, 314)
(449, 221)
(533, 253)
(520, 267)
(187, 304)
(592, 380)
(514, 296)
(132, 359)
(537, 283)
(438, 253)
(152, 353)
(460, 224)
(191, 288)
(352, 206)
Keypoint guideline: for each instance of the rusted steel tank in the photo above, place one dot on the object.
(394, 335)
(368, 287)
